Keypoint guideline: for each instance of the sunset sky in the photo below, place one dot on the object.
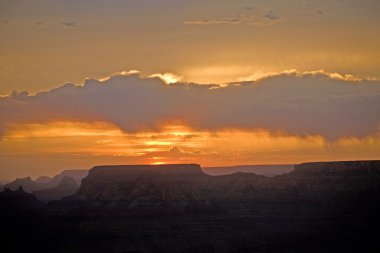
(222, 82)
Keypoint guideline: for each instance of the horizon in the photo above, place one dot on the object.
(55, 173)
(7, 180)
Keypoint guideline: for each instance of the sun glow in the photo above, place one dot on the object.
(62, 129)
(168, 78)
(158, 163)
(101, 142)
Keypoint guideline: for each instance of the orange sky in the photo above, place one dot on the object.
(284, 118)
(46, 43)
(47, 148)
(218, 83)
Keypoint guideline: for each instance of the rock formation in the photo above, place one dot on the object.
(77, 175)
(26, 183)
(67, 186)
(45, 182)
(17, 200)
(318, 207)
(186, 186)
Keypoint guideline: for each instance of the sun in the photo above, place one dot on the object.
(158, 163)
(168, 78)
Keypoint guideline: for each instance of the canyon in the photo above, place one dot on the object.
(316, 207)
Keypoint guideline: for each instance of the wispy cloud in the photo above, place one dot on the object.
(217, 21)
(69, 24)
(271, 15)
(320, 12)
(243, 18)
(4, 21)
(40, 23)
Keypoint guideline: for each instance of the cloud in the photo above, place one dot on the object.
(213, 21)
(4, 22)
(263, 75)
(177, 151)
(312, 103)
(40, 23)
(69, 24)
(320, 12)
(243, 18)
(178, 155)
(271, 16)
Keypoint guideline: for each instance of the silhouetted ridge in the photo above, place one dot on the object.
(77, 175)
(26, 183)
(320, 207)
(338, 168)
(168, 169)
(134, 185)
(139, 185)
(46, 183)
(266, 170)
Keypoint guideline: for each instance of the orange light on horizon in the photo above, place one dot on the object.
(158, 163)
(102, 142)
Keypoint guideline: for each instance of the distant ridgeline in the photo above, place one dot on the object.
(164, 181)
(317, 207)
(46, 188)
(265, 170)
(345, 167)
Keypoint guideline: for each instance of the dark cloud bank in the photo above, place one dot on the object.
(300, 105)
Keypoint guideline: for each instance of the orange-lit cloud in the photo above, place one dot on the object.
(286, 117)
(310, 103)
(337, 76)
(32, 148)
(246, 18)
(168, 78)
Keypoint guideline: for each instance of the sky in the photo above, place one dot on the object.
(177, 81)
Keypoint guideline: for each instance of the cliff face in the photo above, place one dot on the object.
(67, 186)
(337, 177)
(136, 185)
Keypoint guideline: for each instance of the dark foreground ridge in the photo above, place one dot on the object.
(318, 207)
